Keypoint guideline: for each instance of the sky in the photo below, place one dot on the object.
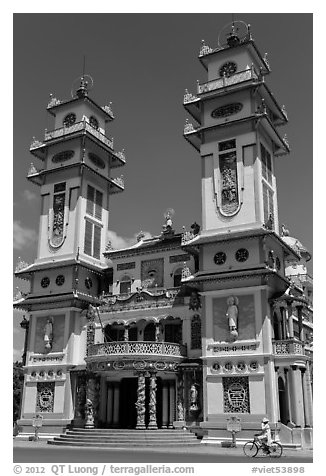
(143, 63)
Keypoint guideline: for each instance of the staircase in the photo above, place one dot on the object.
(119, 438)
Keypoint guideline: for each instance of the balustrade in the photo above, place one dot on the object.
(288, 347)
(137, 348)
(239, 77)
(78, 126)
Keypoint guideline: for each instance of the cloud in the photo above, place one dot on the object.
(119, 242)
(23, 237)
(28, 195)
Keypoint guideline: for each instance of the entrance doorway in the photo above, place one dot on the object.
(128, 398)
(284, 413)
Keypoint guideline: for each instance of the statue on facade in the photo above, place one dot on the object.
(232, 315)
(193, 397)
(48, 333)
(195, 228)
(167, 227)
(194, 301)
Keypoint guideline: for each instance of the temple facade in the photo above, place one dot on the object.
(187, 329)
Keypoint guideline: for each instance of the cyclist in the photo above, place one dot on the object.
(265, 436)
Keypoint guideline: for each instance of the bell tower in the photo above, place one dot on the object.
(241, 253)
(237, 136)
(69, 272)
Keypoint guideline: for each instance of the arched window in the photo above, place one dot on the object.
(196, 332)
(149, 332)
(125, 285)
(177, 278)
(113, 333)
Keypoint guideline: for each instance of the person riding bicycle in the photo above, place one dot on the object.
(265, 436)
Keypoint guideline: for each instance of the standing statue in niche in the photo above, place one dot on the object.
(48, 333)
(232, 316)
(193, 394)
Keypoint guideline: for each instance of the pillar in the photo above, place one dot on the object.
(172, 403)
(299, 310)
(152, 424)
(116, 396)
(103, 399)
(91, 402)
(283, 316)
(307, 396)
(180, 398)
(297, 408)
(126, 333)
(288, 393)
(140, 403)
(109, 405)
(290, 320)
(165, 404)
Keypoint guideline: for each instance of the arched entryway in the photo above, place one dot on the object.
(149, 332)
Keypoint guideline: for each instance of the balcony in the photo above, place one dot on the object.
(237, 78)
(289, 351)
(132, 349)
(77, 127)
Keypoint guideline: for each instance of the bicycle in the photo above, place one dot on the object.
(252, 448)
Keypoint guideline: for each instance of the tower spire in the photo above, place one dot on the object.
(82, 90)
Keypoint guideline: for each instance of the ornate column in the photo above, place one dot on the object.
(172, 403)
(284, 322)
(157, 331)
(287, 393)
(152, 425)
(140, 403)
(103, 399)
(180, 398)
(165, 404)
(126, 333)
(116, 404)
(24, 324)
(91, 405)
(90, 333)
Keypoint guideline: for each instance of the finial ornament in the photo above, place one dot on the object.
(285, 231)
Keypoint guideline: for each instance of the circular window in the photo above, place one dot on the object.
(42, 373)
(45, 282)
(33, 374)
(60, 280)
(93, 122)
(59, 373)
(227, 69)
(228, 366)
(97, 161)
(216, 366)
(241, 366)
(50, 373)
(253, 365)
(63, 156)
(88, 283)
(242, 255)
(220, 258)
(69, 119)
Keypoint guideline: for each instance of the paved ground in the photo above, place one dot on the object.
(40, 452)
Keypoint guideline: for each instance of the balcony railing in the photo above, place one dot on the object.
(236, 78)
(288, 347)
(79, 126)
(142, 348)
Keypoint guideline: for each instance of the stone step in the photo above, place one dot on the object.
(125, 440)
(73, 442)
(128, 430)
(123, 436)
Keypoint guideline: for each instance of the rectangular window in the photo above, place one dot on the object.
(92, 242)
(266, 161)
(94, 202)
(268, 202)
